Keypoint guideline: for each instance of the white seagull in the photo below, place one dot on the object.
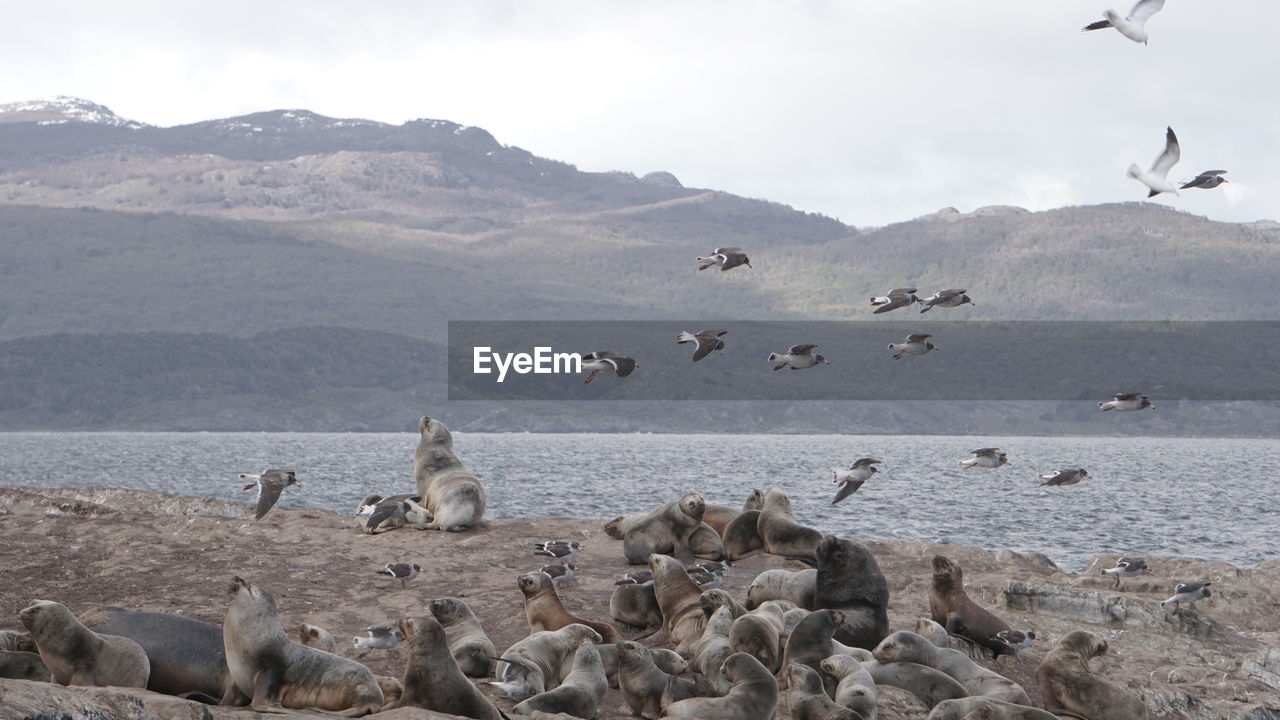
(897, 298)
(1131, 26)
(270, 484)
(985, 458)
(1127, 567)
(565, 552)
(1127, 402)
(1157, 179)
(915, 344)
(850, 480)
(382, 637)
(1187, 593)
(798, 357)
(560, 573)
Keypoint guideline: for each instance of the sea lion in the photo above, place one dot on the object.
(185, 655)
(754, 695)
(849, 579)
(740, 536)
(810, 643)
(951, 607)
(76, 655)
(806, 700)
(719, 517)
(452, 494)
(933, 632)
(792, 618)
(781, 534)
(468, 643)
(759, 634)
(713, 599)
(930, 686)
(713, 648)
(643, 683)
(545, 611)
(636, 606)
(666, 530)
(906, 646)
(705, 543)
(314, 636)
(274, 671)
(432, 679)
(964, 709)
(680, 600)
(580, 693)
(537, 662)
(799, 587)
(855, 688)
(668, 661)
(21, 665)
(16, 641)
(1067, 684)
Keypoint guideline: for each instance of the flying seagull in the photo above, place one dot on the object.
(404, 572)
(1067, 476)
(704, 342)
(609, 362)
(1206, 180)
(897, 298)
(382, 637)
(727, 258)
(1127, 402)
(1157, 179)
(1127, 567)
(915, 344)
(946, 298)
(985, 458)
(270, 484)
(1131, 26)
(798, 357)
(850, 480)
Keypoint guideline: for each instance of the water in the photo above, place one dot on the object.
(1163, 497)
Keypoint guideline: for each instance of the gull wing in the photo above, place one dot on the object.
(1169, 156)
(801, 349)
(847, 489)
(1143, 10)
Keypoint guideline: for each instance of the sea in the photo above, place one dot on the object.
(1209, 499)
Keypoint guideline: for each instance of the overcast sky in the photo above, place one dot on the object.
(871, 112)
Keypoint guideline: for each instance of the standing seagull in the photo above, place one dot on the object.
(1206, 180)
(985, 458)
(1187, 593)
(607, 361)
(850, 480)
(1157, 179)
(704, 342)
(404, 572)
(1127, 567)
(270, 484)
(727, 258)
(798, 357)
(559, 573)
(916, 344)
(565, 552)
(1068, 476)
(1132, 26)
(897, 298)
(1009, 642)
(1127, 402)
(946, 298)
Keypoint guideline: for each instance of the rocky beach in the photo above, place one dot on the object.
(88, 547)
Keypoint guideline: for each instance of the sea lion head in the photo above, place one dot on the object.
(423, 632)
(693, 505)
(741, 666)
(577, 633)
(776, 500)
(449, 610)
(630, 652)
(663, 566)
(755, 501)
(803, 678)
(310, 631)
(435, 431)
(1082, 643)
(946, 574)
(839, 665)
(713, 599)
(41, 612)
(534, 583)
(901, 646)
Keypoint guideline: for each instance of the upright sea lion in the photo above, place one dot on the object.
(185, 655)
(314, 636)
(1067, 684)
(680, 600)
(806, 700)
(580, 693)
(951, 607)
(643, 683)
(274, 671)
(635, 605)
(849, 579)
(545, 611)
(76, 655)
(906, 646)
(666, 530)
(799, 587)
(713, 648)
(855, 687)
(432, 679)
(538, 662)
(22, 665)
(741, 536)
(451, 493)
(468, 643)
(754, 695)
(781, 534)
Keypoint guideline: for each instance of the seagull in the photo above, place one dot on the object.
(985, 458)
(897, 298)
(404, 572)
(270, 484)
(1157, 179)
(1187, 593)
(916, 344)
(705, 578)
(1206, 180)
(1127, 567)
(1068, 476)
(559, 573)
(1009, 642)
(721, 567)
(1127, 402)
(1132, 26)
(850, 480)
(727, 258)
(388, 510)
(704, 342)
(637, 577)
(565, 552)
(607, 361)
(946, 298)
(382, 637)
(798, 357)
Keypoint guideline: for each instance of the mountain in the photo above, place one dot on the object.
(115, 233)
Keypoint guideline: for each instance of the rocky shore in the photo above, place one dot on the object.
(87, 547)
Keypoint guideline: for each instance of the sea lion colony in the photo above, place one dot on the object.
(812, 643)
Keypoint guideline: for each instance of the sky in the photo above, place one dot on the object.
(869, 112)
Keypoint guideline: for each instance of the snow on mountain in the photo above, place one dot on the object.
(63, 109)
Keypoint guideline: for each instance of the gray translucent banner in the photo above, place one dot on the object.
(1032, 360)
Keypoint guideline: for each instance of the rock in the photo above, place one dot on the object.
(661, 179)
(1106, 608)
(1263, 667)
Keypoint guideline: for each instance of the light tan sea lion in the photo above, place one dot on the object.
(754, 695)
(855, 687)
(906, 646)
(545, 611)
(21, 665)
(810, 643)
(930, 686)
(806, 700)
(432, 680)
(186, 656)
(636, 606)
(468, 643)
(451, 493)
(799, 587)
(76, 655)
(705, 543)
(274, 671)
(539, 661)
(580, 693)
(664, 531)
(849, 580)
(1067, 684)
(317, 637)
(680, 600)
(954, 610)
(780, 532)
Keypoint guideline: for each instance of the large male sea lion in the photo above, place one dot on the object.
(432, 679)
(468, 643)
(185, 655)
(274, 671)
(665, 530)
(451, 493)
(849, 579)
(781, 534)
(951, 607)
(545, 611)
(580, 693)
(753, 696)
(1067, 684)
(76, 655)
